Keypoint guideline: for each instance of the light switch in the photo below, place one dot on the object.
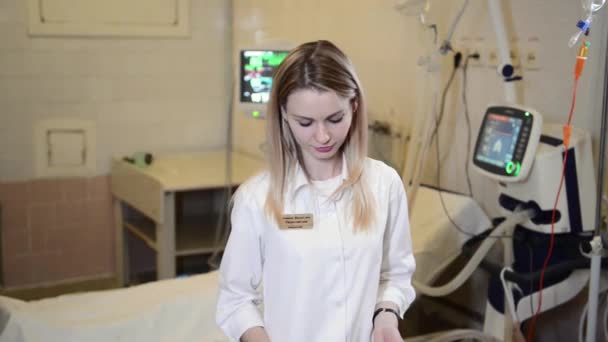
(66, 148)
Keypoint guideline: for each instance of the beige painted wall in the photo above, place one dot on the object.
(385, 46)
(143, 94)
(160, 95)
(382, 44)
(548, 89)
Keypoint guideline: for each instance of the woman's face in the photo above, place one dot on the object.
(319, 121)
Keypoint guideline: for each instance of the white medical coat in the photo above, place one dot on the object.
(319, 284)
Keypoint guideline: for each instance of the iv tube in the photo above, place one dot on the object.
(590, 7)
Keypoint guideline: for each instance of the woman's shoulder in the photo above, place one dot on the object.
(377, 168)
(255, 188)
(382, 178)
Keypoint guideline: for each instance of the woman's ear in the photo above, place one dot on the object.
(354, 104)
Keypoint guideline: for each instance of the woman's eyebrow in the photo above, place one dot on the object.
(335, 114)
(301, 117)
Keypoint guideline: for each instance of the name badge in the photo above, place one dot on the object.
(297, 221)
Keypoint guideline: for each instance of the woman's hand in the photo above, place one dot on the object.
(517, 335)
(255, 334)
(386, 328)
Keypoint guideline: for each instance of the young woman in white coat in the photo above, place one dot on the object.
(320, 247)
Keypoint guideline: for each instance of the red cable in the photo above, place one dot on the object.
(552, 242)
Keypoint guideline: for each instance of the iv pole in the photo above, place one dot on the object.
(506, 71)
(597, 245)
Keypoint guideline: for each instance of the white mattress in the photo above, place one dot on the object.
(436, 242)
(180, 309)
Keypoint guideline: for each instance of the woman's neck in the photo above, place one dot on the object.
(323, 169)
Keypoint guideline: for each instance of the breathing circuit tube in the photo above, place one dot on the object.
(517, 217)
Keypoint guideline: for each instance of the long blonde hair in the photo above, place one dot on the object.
(319, 66)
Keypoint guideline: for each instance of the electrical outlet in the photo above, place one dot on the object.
(492, 57)
(475, 49)
(531, 58)
(469, 46)
(515, 57)
(464, 50)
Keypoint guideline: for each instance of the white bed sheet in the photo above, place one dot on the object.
(436, 241)
(181, 309)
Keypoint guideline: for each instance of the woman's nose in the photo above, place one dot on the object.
(322, 135)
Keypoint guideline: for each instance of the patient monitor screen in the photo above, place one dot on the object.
(256, 71)
(506, 142)
(498, 139)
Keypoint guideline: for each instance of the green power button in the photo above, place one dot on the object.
(513, 168)
(510, 167)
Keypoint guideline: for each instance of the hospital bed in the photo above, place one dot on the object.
(180, 309)
(183, 309)
(435, 240)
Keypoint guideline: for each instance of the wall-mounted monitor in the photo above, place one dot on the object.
(257, 67)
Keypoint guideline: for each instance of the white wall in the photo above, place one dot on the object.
(382, 44)
(158, 95)
(385, 46)
(143, 94)
(548, 90)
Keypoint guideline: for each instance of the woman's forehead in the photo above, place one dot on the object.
(315, 104)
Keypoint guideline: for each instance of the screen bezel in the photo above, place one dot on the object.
(522, 140)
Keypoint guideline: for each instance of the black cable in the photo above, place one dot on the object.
(223, 227)
(445, 210)
(531, 269)
(457, 59)
(436, 136)
(468, 120)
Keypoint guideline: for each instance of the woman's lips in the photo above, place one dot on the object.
(324, 149)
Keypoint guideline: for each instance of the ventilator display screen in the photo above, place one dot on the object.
(256, 71)
(498, 140)
(506, 143)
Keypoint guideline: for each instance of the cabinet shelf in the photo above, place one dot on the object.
(193, 234)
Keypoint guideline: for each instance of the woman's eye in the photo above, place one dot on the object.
(305, 123)
(337, 120)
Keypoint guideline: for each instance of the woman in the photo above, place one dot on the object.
(325, 229)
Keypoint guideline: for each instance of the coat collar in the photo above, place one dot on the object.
(300, 179)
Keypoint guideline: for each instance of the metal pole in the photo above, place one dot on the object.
(594, 287)
(600, 183)
(502, 42)
(596, 243)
